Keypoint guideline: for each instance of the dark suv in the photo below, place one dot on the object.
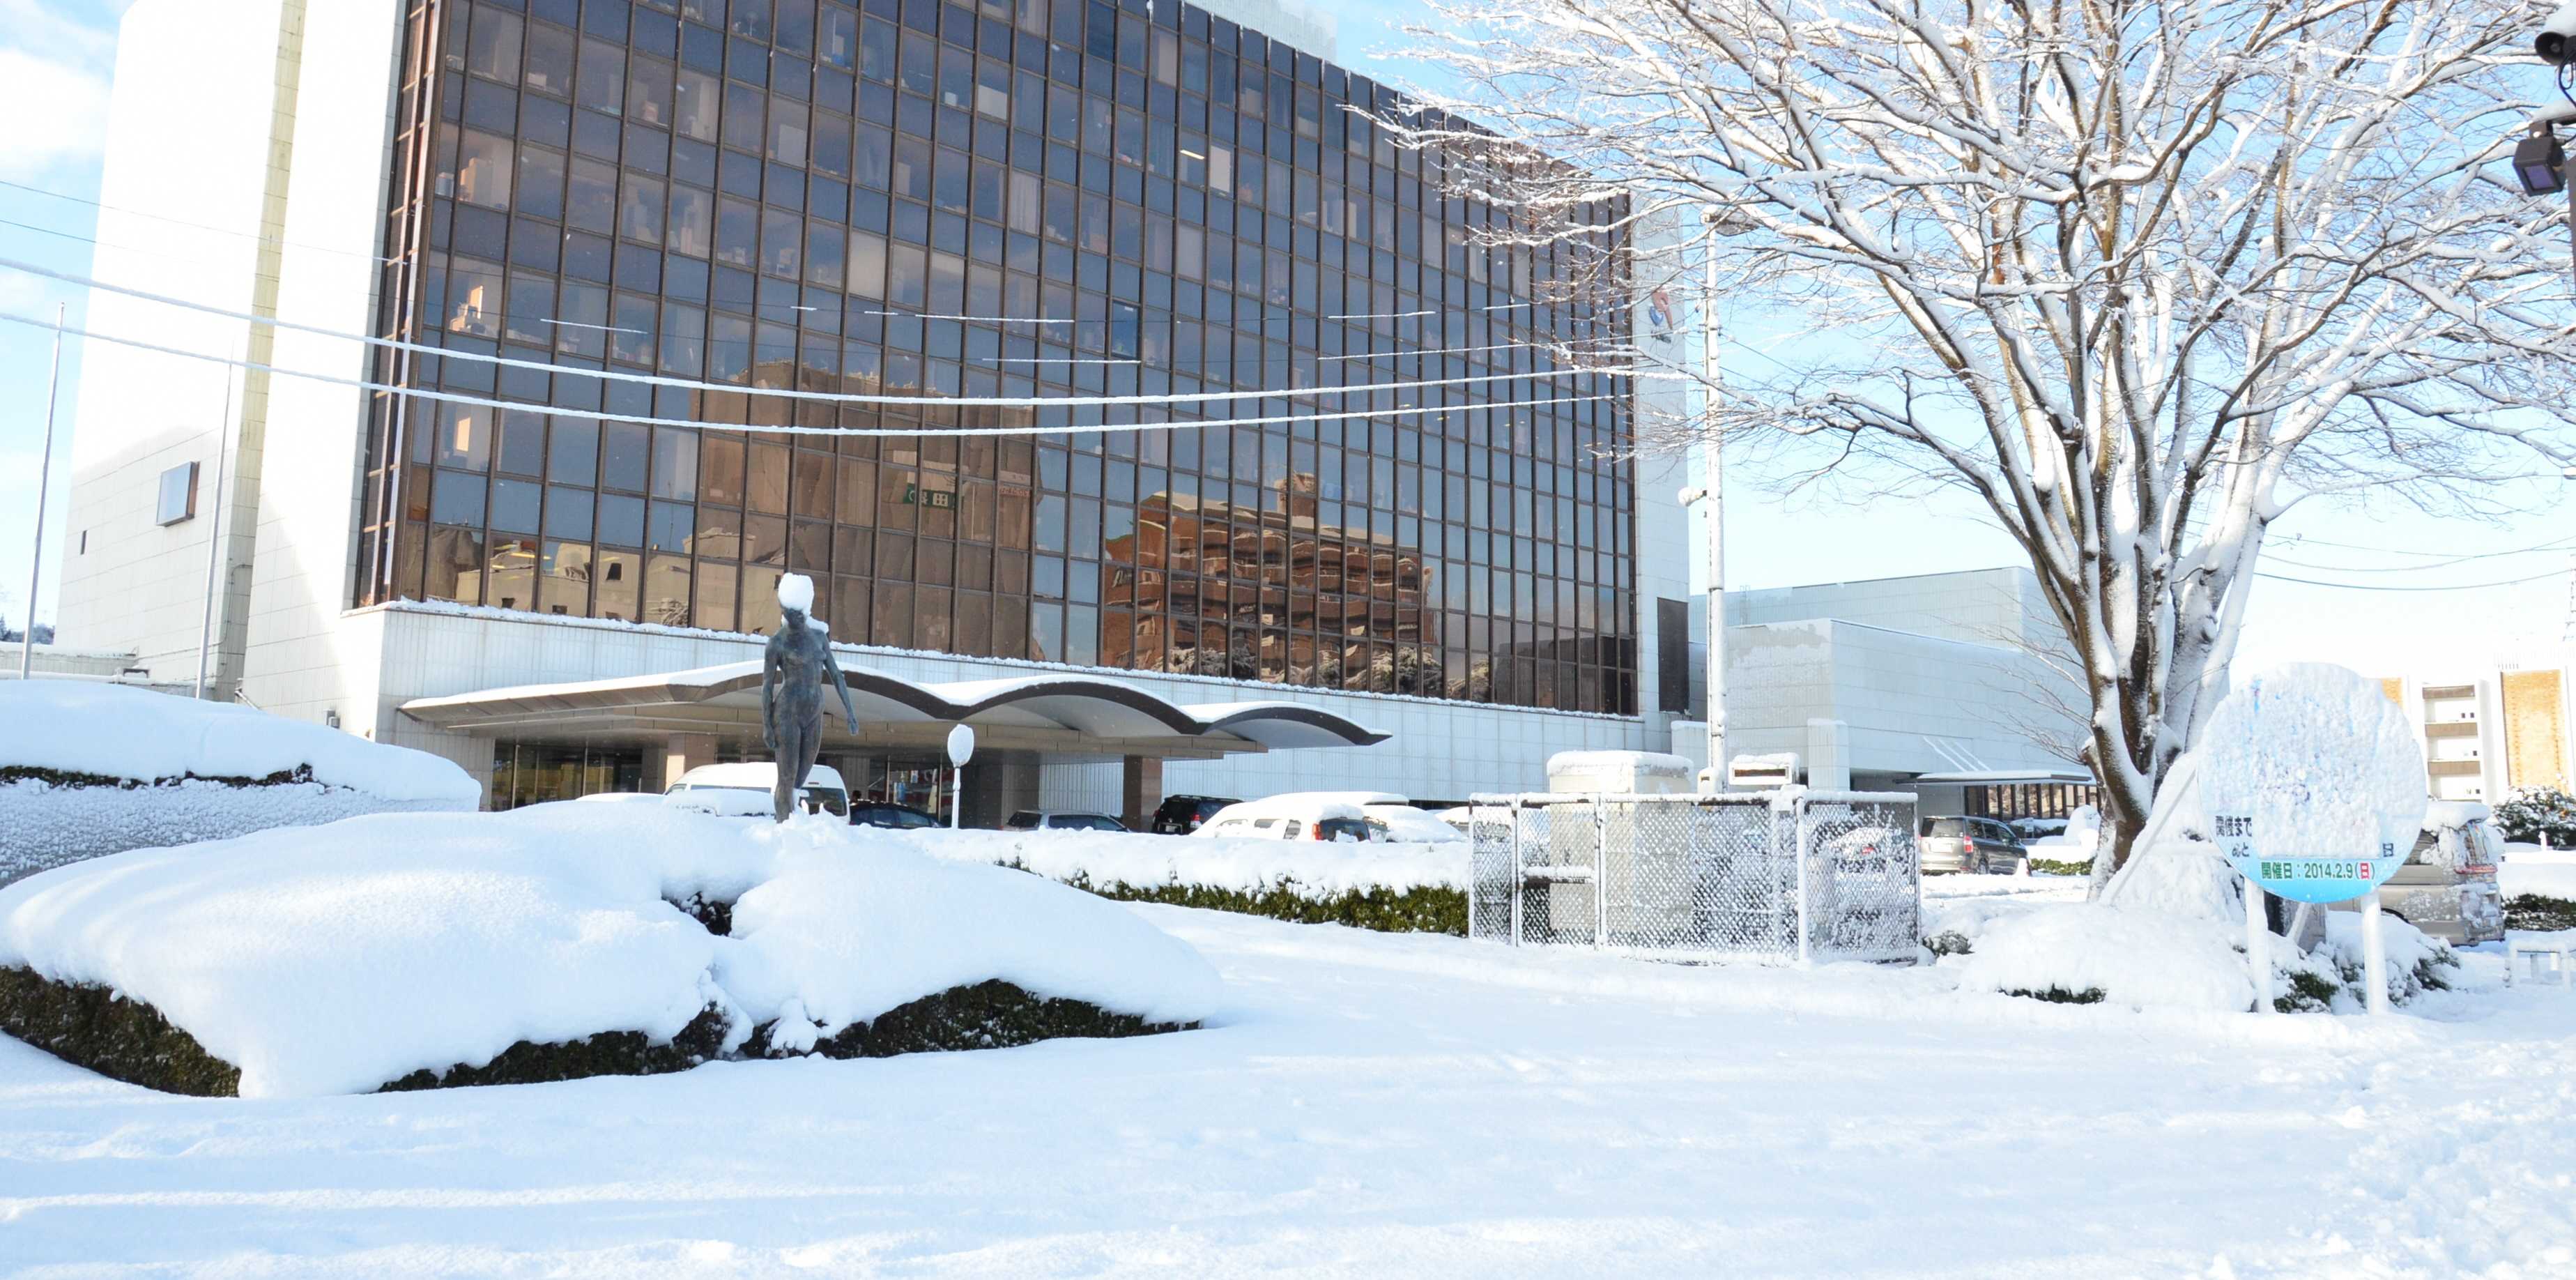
(878, 813)
(1181, 815)
(1970, 844)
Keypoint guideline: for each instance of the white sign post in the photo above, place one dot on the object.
(961, 748)
(2313, 786)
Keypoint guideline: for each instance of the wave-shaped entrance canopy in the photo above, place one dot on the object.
(1065, 715)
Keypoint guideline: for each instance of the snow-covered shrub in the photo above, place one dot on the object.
(88, 769)
(2086, 952)
(1398, 888)
(545, 943)
(2539, 913)
(2535, 815)
(2069, 850)
(2143, 958)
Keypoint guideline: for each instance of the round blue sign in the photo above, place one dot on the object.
(2312, 783)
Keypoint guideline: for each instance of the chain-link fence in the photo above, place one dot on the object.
(1780, 877)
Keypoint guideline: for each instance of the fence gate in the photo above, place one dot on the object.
(1793, 876)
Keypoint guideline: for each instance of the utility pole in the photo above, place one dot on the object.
(215, 524)
(1714, 448)
(44, 473)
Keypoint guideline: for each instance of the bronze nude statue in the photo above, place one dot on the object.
(791, 691)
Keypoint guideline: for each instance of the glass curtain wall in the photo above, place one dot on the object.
(1013, 198)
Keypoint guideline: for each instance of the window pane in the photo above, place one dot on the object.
(697, 106)
(787, 135)
(493, 49)
(666, 591)
(648, 92)
(549, 68)
(483, 170)
(603, 77)
(639, 213)
(617, 581)
(692, 221)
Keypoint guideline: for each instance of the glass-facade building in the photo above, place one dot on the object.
(1013, 199)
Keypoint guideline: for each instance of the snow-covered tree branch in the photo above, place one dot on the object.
(2138, 276)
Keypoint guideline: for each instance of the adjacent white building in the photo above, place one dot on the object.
(2490, 731)
(1954, 685)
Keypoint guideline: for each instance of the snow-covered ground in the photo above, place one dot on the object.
(1374, 1104)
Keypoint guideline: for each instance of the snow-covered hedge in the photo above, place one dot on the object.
(89, 769)
(2143, 958)
(1405, 888)
(429, 948)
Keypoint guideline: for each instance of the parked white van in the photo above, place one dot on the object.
(746, 790)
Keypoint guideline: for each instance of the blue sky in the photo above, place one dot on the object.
(57, 61)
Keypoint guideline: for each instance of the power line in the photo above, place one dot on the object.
(2418, 568)
(829, 397)
(183, 222)
(2361, 586)
(2553, 545)
(450, 397)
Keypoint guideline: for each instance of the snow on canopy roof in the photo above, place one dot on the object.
(119, 731)
(1092, 705)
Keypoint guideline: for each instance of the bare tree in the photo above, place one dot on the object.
(2138, 276)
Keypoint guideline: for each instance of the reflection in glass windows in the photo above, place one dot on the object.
(1031, 199)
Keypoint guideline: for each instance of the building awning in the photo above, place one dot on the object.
(1060, 714)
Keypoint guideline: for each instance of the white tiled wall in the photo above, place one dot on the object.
(1910, 703)
(189, 128)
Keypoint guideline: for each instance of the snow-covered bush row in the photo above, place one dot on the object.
(88, 769)
(337, 959)
(1116, 857)
(2147, 958)
(1404, 888)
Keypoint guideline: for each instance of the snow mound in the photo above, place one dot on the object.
(178, 767)
(796, 591)
(934, 924)
(335, 959)
(116, 731)
(2183, 878)
(2142, 959)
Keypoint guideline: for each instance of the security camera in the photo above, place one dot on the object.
(2556, 44)
(2539, 163)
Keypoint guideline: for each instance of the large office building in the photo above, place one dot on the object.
(673, 297)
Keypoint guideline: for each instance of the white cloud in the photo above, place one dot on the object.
(54, 76)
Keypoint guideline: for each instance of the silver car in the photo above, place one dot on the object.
(2448, 888)
(1969, 844)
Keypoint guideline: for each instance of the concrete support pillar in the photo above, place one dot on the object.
(682, 752)
(1828, 755)
(1140, 791)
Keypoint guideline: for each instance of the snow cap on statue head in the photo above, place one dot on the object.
(796, 593)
